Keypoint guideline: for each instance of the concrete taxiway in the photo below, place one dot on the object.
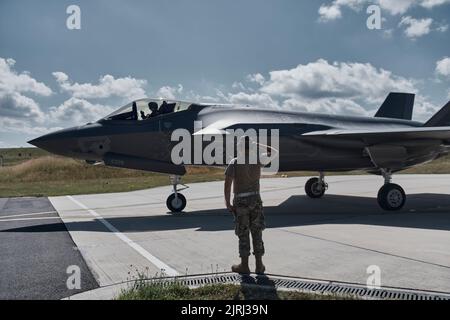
(334, 238)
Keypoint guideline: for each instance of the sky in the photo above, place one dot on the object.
(311, 55)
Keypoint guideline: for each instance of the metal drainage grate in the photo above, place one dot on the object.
(306, 285)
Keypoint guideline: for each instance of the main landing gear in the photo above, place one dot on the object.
(316, 187)
(176, 202)
(391, 196)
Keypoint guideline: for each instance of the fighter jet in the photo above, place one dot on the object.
(138, 136)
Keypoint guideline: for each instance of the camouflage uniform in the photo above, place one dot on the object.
(249, 216)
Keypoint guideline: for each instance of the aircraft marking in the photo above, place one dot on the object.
(147, 255)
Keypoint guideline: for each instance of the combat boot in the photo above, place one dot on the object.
(242, 267)
(260, 267)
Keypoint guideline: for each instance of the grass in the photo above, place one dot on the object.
(52, 176)
(175, 291)
(13, 156)
(33, 172)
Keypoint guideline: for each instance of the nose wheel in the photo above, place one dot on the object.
(391, 196)
(316, 187)
(176, 202)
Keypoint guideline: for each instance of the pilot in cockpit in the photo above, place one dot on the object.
(153, 106)
(167, 107)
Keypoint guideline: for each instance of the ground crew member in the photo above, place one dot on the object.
(247, 208)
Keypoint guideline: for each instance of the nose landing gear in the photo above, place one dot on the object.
(176, 202)
(316, 187)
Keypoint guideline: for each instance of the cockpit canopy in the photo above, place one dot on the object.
(145, 109)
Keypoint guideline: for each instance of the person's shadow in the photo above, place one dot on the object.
(259, 287)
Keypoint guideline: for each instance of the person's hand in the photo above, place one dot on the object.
(231, 208)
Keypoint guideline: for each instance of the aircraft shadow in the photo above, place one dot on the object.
(423, 211)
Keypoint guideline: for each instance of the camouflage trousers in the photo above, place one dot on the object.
(249, 219)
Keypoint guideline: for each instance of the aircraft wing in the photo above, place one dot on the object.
(387, 148)
(386, 135)
(216, 128)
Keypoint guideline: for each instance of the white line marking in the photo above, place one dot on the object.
(158, 263)
(26, 219)
(27, 214)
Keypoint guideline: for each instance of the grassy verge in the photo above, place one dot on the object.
(13, 156)
(175, 291)
(52, 176)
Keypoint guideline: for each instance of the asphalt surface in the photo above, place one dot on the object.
(34, 256)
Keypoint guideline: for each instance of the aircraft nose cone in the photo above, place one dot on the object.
(70, 142)
(38, 142)
(62, 142)
(50, 142)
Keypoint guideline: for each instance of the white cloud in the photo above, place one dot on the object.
(78, 111)
(262, 100)
(13, 87)
(239, 85)
(416, 28)
(333, 88)
(23, 126)
(395, 7)
(169, 92)
(423, 108)
(321, 79)
(333, 10)
(329, 106)
(11, 81)
(15, 105)
(256, 78)
(195, 97)
(21, 113)
(128, 88)
(433, 3)
(442, 28)
(60, 77)
(443, 67)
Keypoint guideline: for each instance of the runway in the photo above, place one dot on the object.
(334, 238)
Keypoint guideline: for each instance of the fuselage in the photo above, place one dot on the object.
(146, 144)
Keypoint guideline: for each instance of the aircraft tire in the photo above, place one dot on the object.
(391, 197)
(313, 190)
(176, 203)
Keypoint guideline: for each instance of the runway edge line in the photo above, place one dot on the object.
(147, 255)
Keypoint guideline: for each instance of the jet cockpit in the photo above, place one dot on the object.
(145, 109)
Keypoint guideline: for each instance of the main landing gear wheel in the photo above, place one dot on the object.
(315, 188)
(176, 202)
(391, 197)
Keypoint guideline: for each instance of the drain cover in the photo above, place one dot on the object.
(308, 285)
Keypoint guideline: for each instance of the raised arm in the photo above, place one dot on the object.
(270, 154)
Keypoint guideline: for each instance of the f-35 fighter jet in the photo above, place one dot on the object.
(139, 136)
